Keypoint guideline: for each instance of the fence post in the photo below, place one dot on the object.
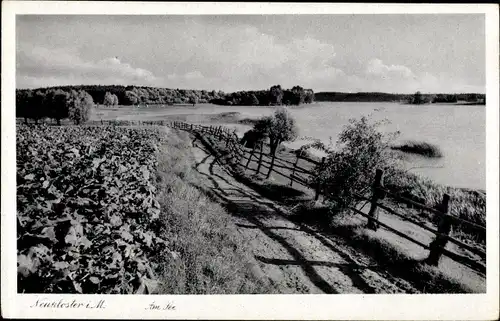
(318, 185)
(444, 228)
(250, 156)
(375, 196)
(260, 157)
(293, 171)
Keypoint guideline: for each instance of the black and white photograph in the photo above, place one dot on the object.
(272, 153)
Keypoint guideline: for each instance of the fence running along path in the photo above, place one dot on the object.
(303, 176)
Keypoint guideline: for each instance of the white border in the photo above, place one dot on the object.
(389, 307)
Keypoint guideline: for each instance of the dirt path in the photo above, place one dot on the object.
(294, 258)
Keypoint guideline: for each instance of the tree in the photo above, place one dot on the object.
(131, 98)
(23, 100)
(280, 127)
(80, 106)
(276, 95)
(298, 95)
(255, 100)
(36, 107)
(193, 100)
(309, 98)
(57, 104)
(110, 99)
(417, 98)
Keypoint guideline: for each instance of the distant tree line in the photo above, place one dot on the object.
(417, 98)
(52, 103)
(142, 95)
(274, 96)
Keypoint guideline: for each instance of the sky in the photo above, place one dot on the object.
(351, 53)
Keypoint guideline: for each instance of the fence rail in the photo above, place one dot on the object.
(442, 233)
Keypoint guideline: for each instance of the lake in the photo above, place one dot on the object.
(458, 130)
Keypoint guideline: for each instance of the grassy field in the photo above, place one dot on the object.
(212, 258)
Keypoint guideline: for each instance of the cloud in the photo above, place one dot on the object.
(240, 58)
(39, 66)
(243, 57)
(376, 67)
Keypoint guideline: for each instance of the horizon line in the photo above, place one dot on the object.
(249, 90)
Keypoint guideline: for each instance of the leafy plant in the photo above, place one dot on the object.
(86, 209)
(350, 168)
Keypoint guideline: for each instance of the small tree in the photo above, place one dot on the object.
(131, 98)
(276, 95)
(57, 104)
(417, 98)
(255, 100)
(298, 95)
(36, 106)
(350, 168)
(193, 100)
(309, 98)
(80, 106)
(110, 99)
(280, 127)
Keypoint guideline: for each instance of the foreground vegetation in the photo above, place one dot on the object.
(212, 256)
(86, 209)
(111, 209)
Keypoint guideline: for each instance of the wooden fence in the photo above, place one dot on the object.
(296, 174)
(302, 175)
(437, 247)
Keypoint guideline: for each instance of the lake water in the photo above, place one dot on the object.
(459, 131)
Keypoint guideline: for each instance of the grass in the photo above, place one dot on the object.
(467, 204)
(210, 257)
(388, 255)
(420, 148)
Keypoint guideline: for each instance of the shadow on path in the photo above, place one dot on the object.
(250, 204)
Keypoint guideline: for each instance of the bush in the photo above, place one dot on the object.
(80, 106)
(421, 148)
(361, 149)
